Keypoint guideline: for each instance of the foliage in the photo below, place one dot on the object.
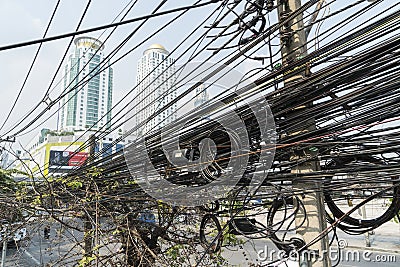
(119, 204)
(174, 253)
(85, 261)
(8, 197)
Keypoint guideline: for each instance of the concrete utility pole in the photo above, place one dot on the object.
(293, 42)
(4, 252)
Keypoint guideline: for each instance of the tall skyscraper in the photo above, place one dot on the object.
(86, 104)
(155, 88)
(201, 96)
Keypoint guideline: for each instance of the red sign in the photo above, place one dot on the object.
(78, 159)
(67, 158)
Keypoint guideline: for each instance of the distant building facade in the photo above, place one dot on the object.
(155, 88)
(201, 96)
(55, 153)
(4, 159)
(86, 104)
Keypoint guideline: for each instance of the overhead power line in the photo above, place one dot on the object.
(71, 34)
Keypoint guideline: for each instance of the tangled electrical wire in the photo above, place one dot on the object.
(347, 100)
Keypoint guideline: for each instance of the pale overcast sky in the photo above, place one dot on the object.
(24, 20)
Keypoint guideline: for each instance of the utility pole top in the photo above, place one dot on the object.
(8, 139)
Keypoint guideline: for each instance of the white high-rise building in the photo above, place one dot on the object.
(86, 104)
(201, 96)
(155, 88)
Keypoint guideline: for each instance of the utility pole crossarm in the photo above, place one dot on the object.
(8, 139)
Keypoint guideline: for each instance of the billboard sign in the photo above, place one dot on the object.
(67, 158)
